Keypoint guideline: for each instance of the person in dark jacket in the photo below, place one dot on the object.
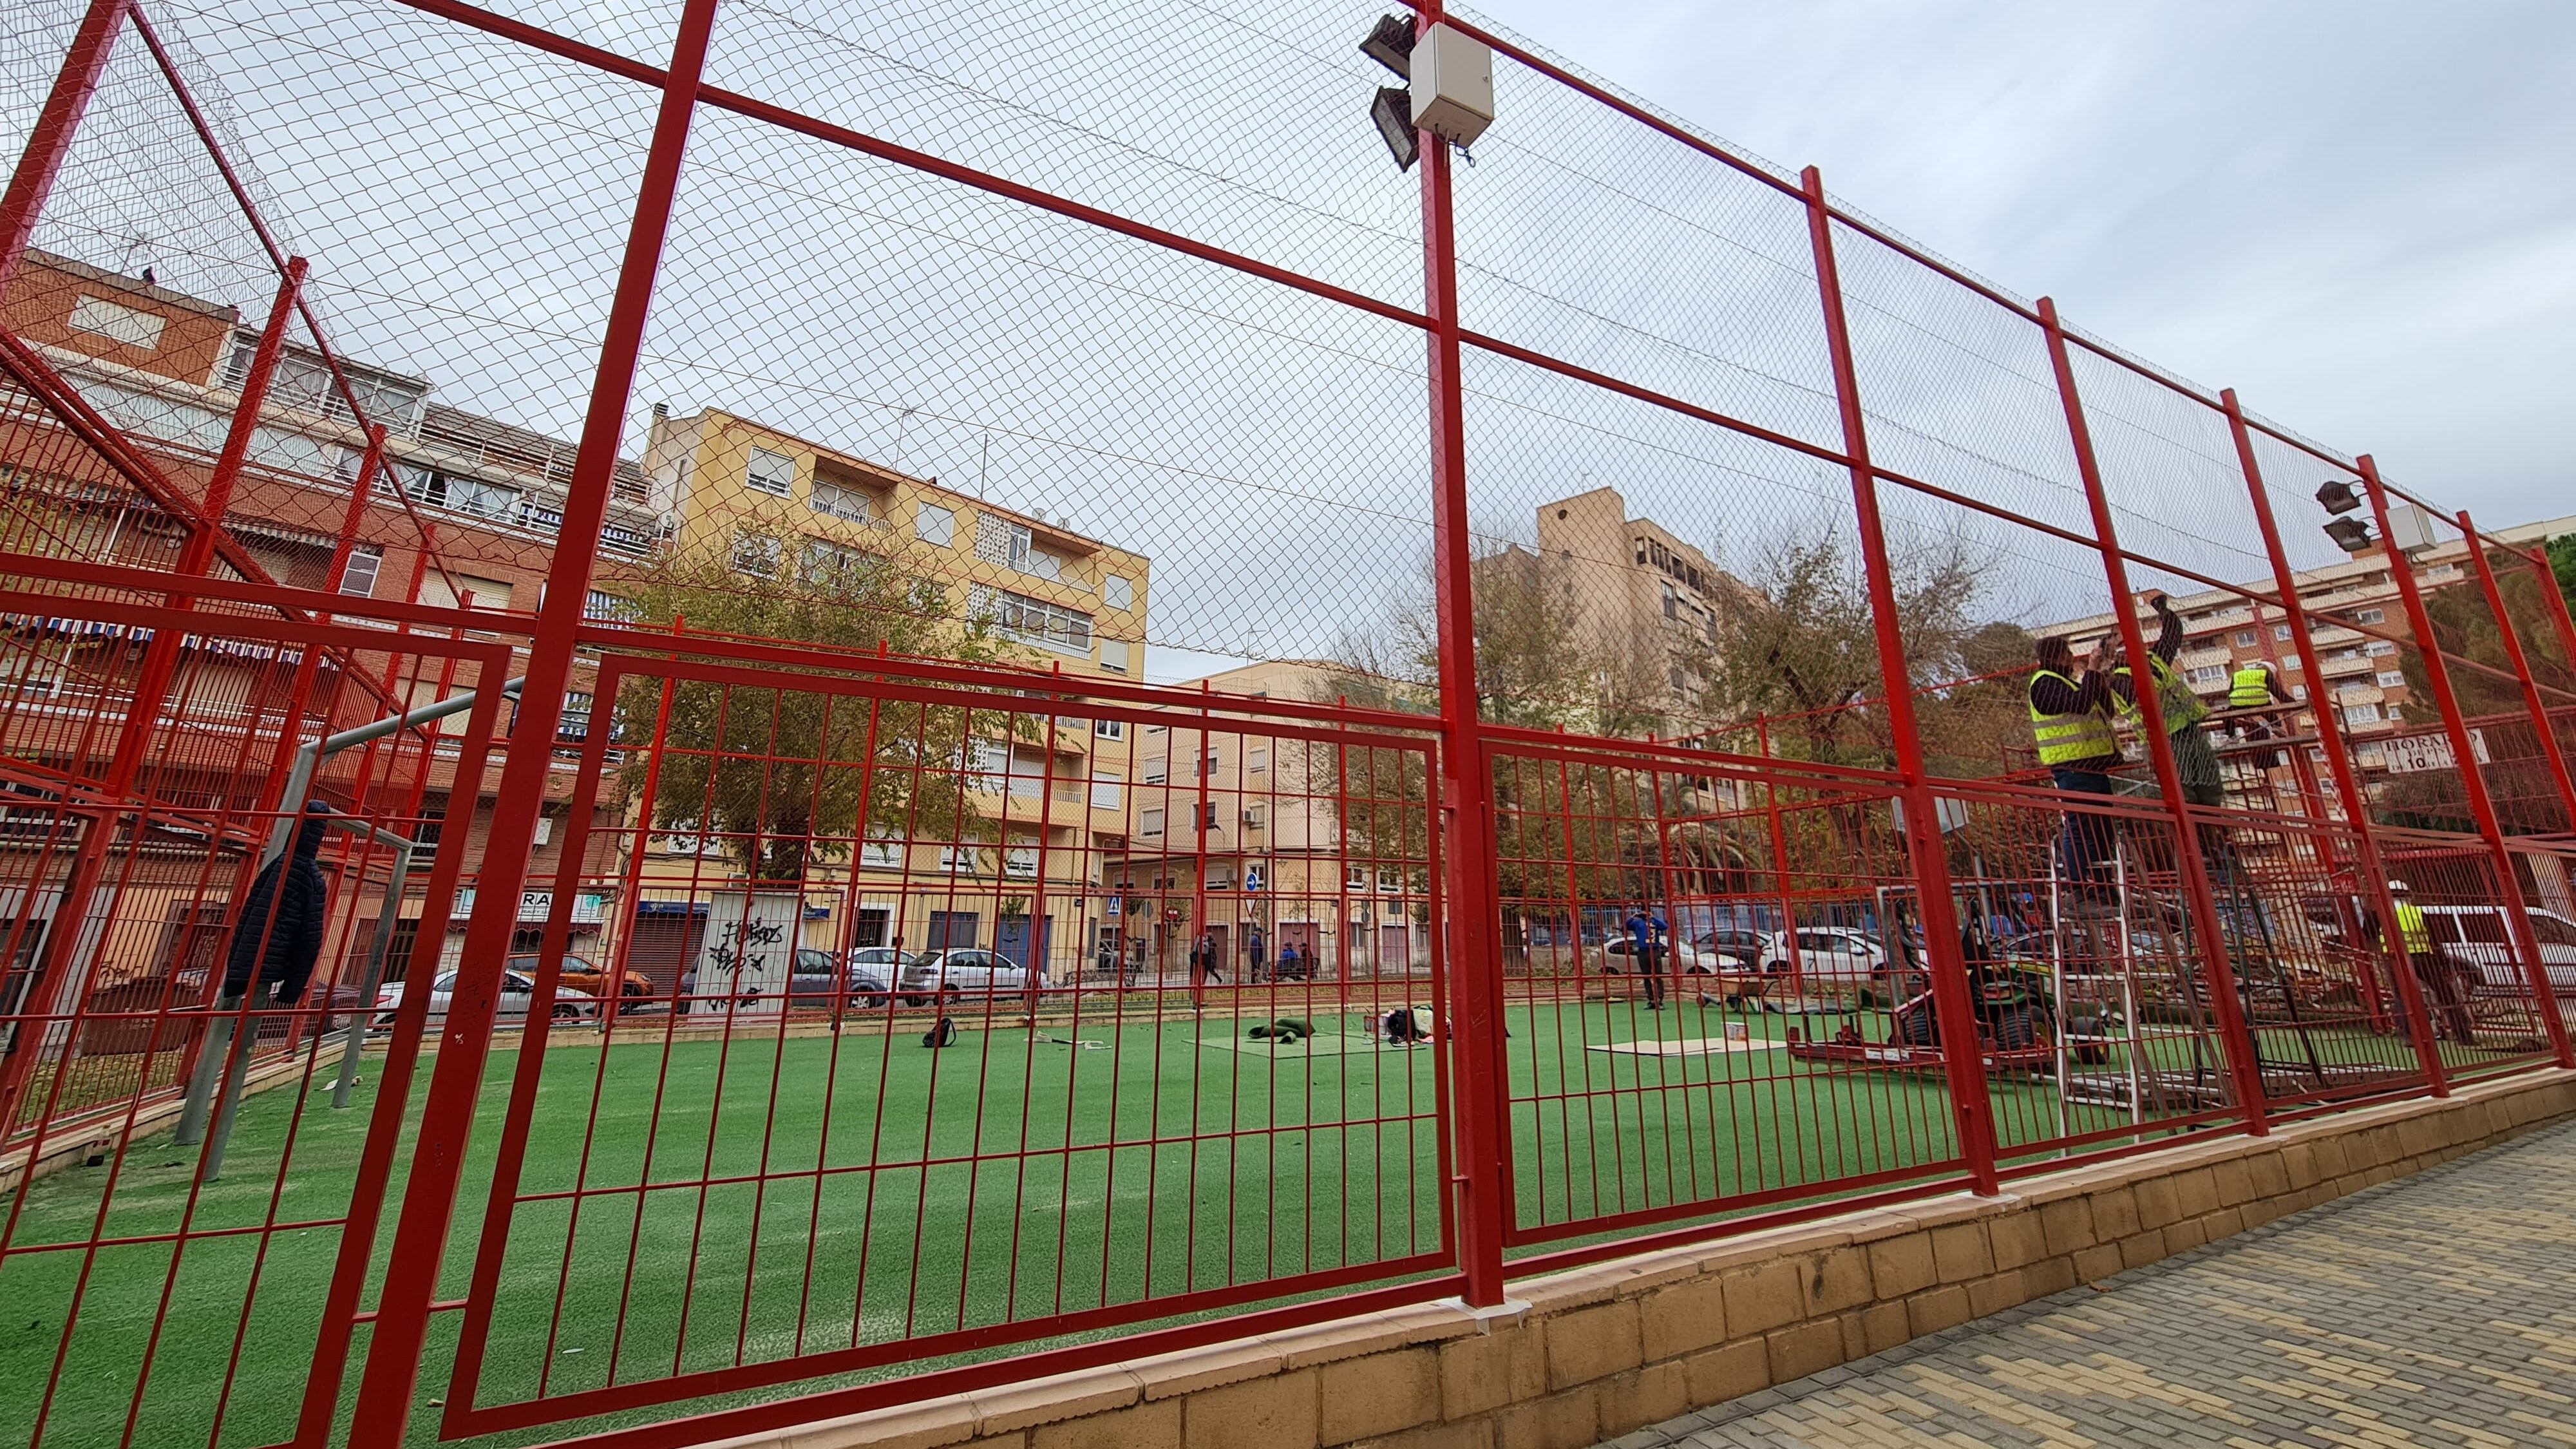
(278, 935)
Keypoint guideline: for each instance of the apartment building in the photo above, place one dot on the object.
(1233, 832)
(1025, 881)
(167, 368)
(1646, 601)
(2363, 681)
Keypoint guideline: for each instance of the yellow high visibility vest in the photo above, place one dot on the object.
(2249, 687)
(2181, 706)
(2064, 738)
(2411, 929)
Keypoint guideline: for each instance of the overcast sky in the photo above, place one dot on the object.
(2361, 215)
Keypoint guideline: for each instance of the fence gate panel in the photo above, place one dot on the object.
(922, 1087)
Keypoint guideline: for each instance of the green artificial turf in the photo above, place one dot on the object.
(762, 1199)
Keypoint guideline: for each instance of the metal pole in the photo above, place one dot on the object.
(84, 65)
(1962, 1054)
(2464, 753)
(384, 1397)
(2356, 805)
(2225, 1003)
(1466, 804)
(377, 950)
(2522, 669)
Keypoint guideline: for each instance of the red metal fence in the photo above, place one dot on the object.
(773, 952)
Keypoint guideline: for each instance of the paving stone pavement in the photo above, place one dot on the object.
(2436, 1310)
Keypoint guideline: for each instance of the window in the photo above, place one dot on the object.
(1207, 816)
(1020, 860)
(1390, 882)
(1110, 729)
(452, 591)
(2280, 631)
(574, 722)
(934, 524)
(1106, 789)
(1032, 621)
(838, 502)
(359, 577)
(1113, 655)
(1028, 558)
(1220, 877)
(882, 851)
(1156, 771)
(1150, 823)
(2298, 691)
(1117, 592)
(2392, 679)
(2371, 616)
(960, 859)
(605, 607)
(831, 567)
(117, 322)
(2378, 649)
(2206, 676)
(1355, 878)
(756, 554)
(1260, 759)
(1207, 766)
(1672, 605)
(770, 472)
(2360, 714)
(2246, 638)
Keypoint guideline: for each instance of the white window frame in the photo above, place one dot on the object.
(1113, 655)
(765, 464)
(933, 524)
(1158, 770)
(1150, 821)
(832, 500)
(1109, 729)
(1117, 591)
(748, 548)
(358, 579)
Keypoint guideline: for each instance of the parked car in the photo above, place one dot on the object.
(518, 994)
(1618, 956)
(1830, 955)
(2476, 941)
(1739, 945)
(965, 971)
(816, 980)
(583, 975)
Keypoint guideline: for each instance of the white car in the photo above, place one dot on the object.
(2476, 940)
(518, 993)
(1836, 954)
(1618, 957)
(965, 971)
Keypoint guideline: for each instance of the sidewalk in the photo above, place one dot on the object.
(2436, 1310)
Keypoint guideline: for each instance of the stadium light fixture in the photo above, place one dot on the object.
(2337, 496)
(2351, 534)
(1390, 44)
(1393, 113)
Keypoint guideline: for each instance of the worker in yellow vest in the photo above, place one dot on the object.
(2442, 996)
(2194, 762)
(2254, 685)
(2070, 719)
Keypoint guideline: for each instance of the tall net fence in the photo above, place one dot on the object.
(733, 712)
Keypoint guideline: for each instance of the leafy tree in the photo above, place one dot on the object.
(782, 776)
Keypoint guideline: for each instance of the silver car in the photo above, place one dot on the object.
(518, 994)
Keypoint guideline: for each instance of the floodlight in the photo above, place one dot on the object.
(1390, 44)
(2337, 496)
(1393, 112)
(2351, 533)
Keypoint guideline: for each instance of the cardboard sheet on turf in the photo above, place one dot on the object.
(1705, 1046)
(1327, 1044)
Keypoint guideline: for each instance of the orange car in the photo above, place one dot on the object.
(581, 975)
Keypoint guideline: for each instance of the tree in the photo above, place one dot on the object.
(780, 776)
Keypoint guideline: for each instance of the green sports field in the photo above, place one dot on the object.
(690, 1205)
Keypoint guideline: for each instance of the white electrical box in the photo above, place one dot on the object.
(1453, 85)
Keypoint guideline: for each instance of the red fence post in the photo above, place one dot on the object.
(2521, 662)
(2226, 1005)
(1962, 1059)
(447, 1120)
(1475, 910)
(2464, 753)
(51, 139)
(2356, 806)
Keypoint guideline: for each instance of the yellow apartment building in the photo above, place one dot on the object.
(1027, 881)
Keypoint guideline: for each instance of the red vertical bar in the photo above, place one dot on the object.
(2225, 1004)
(2464, 753)
(2356, 806)
(1962, 1058)
(2522, 667)
(51, 140)
(1475, 954)
(393, 1359)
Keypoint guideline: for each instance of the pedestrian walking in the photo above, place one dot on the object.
(278, 935)
(1210, 963)
(1255, 954)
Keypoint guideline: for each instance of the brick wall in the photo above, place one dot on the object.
(1589, 1355)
